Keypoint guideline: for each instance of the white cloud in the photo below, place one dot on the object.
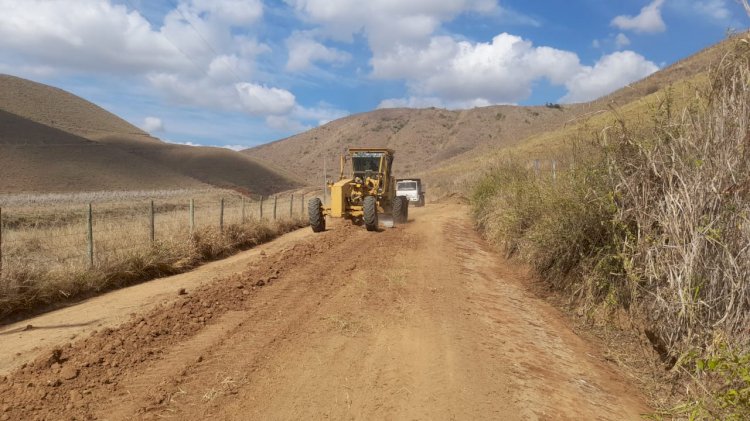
(622, 40)
(501, 71)
(716, 10)
(236, 148)
(262, 100)
(152, 125)
(194, 58)
(198, 145)
(304, 51)
(386, 21)
(648, 21)
(610, 73)
(87, 35)
(446, 71)
(427, 102)
(321, 114)
(285, 124)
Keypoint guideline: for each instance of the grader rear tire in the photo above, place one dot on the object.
(315, 214)
(400, 204)
(370, 206)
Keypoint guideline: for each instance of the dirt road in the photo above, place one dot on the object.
(418, 322)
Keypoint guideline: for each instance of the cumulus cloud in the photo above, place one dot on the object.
(458, 74)
(152, 125)
(501, 71)
(304, 51)
(262, 100)
(610, 73)
(88, 34)
(648, 21)
(427, 102)
(284, 123)
(446, 71)
(194, 57)
(385, 21)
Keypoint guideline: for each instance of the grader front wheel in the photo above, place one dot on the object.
(370, 206)
(315, 213)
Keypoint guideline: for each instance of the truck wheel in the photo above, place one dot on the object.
(399, 209)
(370, 206)
(315, 213)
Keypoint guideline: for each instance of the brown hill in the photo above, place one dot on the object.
(39, 158)
(422, 138)
(426, 139)
(54, 141)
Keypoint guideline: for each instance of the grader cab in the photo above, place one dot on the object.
(368, 190)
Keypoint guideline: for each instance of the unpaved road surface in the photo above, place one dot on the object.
(420, 322)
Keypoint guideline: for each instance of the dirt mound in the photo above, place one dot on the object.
(70, 379)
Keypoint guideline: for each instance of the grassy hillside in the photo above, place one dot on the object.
(53, 141)
(431, 142)
(648, 229)
(39, 158)
(422, 138)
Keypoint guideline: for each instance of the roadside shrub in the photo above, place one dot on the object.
(658, 224)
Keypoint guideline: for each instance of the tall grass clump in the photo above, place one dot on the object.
(656, 223)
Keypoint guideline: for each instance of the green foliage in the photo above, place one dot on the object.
(725, 377)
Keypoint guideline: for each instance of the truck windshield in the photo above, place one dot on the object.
(407, 186)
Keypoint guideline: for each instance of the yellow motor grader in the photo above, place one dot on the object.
(370, 189)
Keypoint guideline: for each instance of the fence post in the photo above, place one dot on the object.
(243, 210)
(221, 216)
(536, 167)
(261, 208)
(192, 215)
(554, 170)
(1, 242)
(152, 232)
(91, 236)
(302, 205)
(275, 200)
(291, 205)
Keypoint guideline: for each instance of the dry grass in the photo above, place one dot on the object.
(45, 242)
(653, 220)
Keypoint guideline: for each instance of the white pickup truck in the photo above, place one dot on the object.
(411, 188)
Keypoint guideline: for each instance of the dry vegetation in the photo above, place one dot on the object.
(45, 259)
(654, 221)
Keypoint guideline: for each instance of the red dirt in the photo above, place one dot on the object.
(419, 322)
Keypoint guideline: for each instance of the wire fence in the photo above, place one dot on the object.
(91, 234)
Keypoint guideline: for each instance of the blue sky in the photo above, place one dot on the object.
(239, 73)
